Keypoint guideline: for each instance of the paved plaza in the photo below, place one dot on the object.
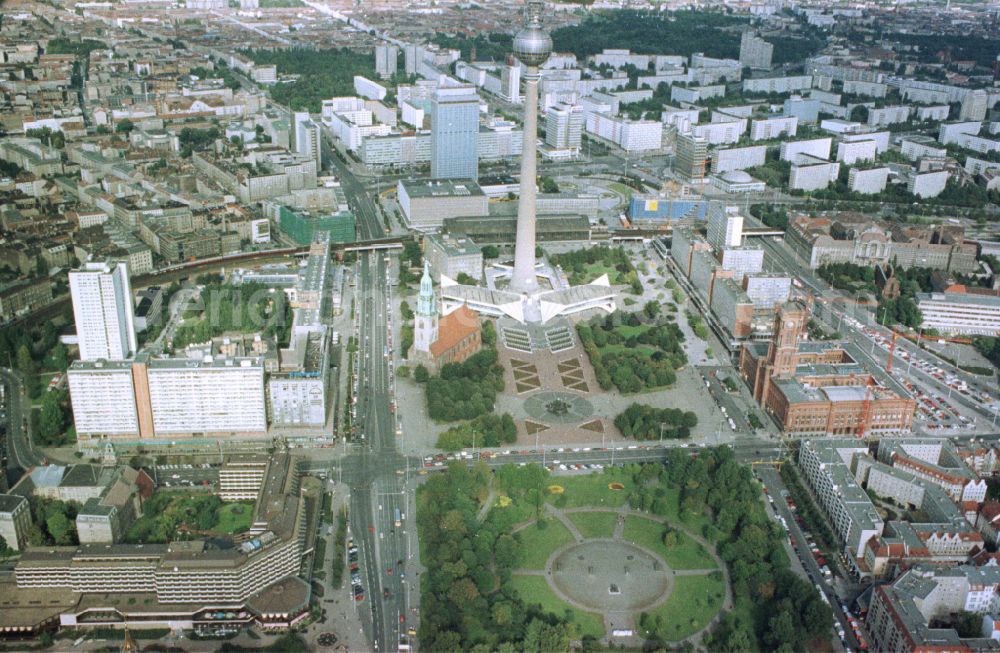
(608, 575)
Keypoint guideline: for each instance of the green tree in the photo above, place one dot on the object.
(542, 637)
(60, 357)
(420, 374)
(489, 334)
(44, 134)
(28, 368)
(321, 73)
(490, 251)
(52, 417)
(59, 527)
(652, 309)
(125, 126)
(968, 624)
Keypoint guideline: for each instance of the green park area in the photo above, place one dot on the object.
(592, 490)
(319, 73)
(234, 518)
(170, 516)
(247, 308)
(594, 524)
(539, 540)
(585, 265)
(466, 390)
(632, 355)
(536, 590)
(679, 550)
(486, 585)
(644, 422)
(694, 601)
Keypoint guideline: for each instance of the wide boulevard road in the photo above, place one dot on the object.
(373, 468)
(21, 455)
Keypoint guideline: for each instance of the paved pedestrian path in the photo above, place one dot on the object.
(618, 620)
(566, 521)
(490, 498)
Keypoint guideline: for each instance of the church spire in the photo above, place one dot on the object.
(427, 301)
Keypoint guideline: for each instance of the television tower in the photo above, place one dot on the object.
(532, 47)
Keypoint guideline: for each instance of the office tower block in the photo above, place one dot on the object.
(690, 154)
(102, 308)
(564, 126)
(510, 81)
(974, 105)
(385, 60)
(410, 51)
(755, 52)
(307, 137)
(725, 226)
(455, 133)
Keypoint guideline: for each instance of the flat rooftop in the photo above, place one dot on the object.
(9, 502)
(429, 188)
(455, 246)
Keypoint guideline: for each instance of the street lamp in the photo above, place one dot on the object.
(958, 367)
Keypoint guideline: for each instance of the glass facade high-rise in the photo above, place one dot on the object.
(455, 133)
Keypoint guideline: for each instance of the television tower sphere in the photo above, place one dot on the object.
(532, 45)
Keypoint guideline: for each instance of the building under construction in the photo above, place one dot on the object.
(820, 388)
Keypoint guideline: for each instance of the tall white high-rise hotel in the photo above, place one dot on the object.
(455, 133)
(102, 308)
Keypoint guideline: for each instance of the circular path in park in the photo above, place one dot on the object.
(617, 578)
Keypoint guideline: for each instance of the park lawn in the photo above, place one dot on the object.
(235, 517)
(627, 332)
(168, 513)
(622, 189)
(695, 600)
(535, 589)
(537, 544)
(592, 489)
(515, 512)
(593, 270)
(686, 554)
(594, 524)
